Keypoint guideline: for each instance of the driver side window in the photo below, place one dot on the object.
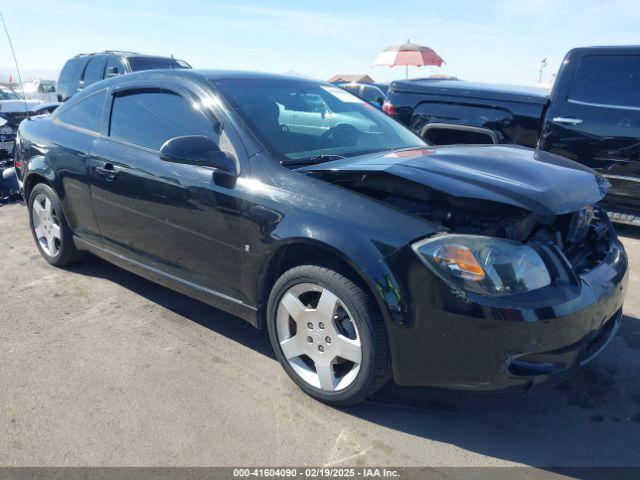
(148, 118)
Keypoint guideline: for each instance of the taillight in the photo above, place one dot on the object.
(387, 107)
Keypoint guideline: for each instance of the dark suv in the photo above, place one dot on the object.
(87, 68)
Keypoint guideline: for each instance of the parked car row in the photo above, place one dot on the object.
(86, 69)
(366, 253)
(39, 89)
(592, 116)
(13, 109)
(38, 97)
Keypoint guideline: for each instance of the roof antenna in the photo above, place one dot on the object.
(26, 106)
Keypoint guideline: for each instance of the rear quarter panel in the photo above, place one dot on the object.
(59, 155)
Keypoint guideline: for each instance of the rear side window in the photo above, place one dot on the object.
(94, 71)
(85, 113)
(371, 94)
(611, 80)
(114, 67)
(154, 63)
(150, 118)
(72, 71)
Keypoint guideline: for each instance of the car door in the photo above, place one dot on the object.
(594, 118)
(76, 126)
(168, 216)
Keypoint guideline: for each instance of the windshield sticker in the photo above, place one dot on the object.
(341, 94)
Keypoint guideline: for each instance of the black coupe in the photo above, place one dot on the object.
(365, 253)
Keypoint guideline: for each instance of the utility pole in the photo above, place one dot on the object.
(543, 64)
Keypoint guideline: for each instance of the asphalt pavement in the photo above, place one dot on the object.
(99, 367)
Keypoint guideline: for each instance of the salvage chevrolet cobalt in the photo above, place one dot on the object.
(365, 253)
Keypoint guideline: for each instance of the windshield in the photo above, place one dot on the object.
(301, 120)
(9, 95)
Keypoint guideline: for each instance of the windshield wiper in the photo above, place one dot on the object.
(313, 160)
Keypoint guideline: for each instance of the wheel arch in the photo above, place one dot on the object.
(32, 179)
(303, 251)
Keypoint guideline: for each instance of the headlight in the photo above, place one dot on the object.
(484, 265)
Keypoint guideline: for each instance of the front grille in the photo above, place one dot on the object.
(586, 240)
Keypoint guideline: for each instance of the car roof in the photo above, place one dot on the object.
(206, 75)
(200, 76)
(247, 75)
(119, 53)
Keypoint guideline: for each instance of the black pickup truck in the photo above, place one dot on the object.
(592, 115)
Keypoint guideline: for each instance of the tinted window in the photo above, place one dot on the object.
(151, 118)
(153, 63)
(608, 80)
(71, 71)
(371, 94)
(86, 113)
(114, 67)
(94, 71)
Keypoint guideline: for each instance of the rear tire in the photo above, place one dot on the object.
(50, 229)
(334, 345)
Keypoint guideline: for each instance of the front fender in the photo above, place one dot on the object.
(366, 257)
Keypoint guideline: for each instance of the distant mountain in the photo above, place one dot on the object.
(28, 74)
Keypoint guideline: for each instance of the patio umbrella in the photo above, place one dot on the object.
(407, 54)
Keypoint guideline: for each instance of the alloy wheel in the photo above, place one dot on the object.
(318, 337)
(46, 225)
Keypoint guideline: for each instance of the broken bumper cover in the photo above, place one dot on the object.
(517, 342)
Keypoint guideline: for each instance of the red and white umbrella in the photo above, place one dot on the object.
(407, 54)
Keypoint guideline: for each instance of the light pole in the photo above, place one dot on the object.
(543, 64)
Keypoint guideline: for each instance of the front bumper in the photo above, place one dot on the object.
(489, 343)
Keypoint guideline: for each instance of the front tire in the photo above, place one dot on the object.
(328, 335)
(49, 227)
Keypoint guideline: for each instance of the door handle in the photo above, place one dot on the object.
(107, 171)
(567, 120)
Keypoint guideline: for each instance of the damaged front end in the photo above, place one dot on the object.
(524, 280)
(496, 192)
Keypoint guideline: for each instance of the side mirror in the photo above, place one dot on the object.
(112, 72)
(198, 150)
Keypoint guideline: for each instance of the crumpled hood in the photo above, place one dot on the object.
(538, 181)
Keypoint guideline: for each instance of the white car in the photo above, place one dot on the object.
(13, 109)
(45, 90)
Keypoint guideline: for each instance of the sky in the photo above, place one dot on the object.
(490, 41)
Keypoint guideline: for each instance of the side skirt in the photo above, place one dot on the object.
(193, 290)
